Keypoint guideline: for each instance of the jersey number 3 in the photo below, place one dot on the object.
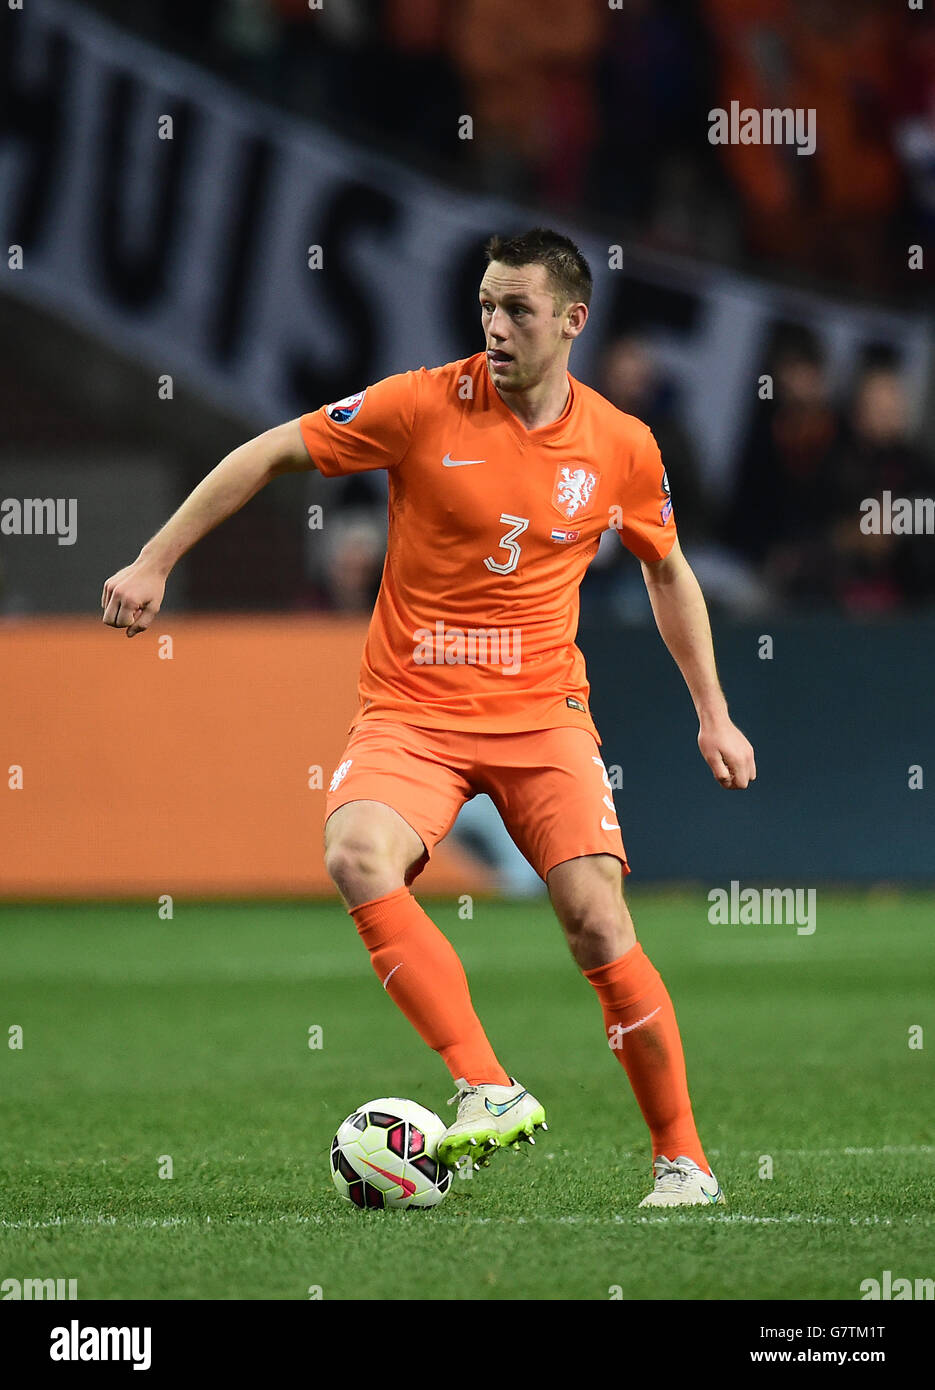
(517, 525)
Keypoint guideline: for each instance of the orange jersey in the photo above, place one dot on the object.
(491, 528)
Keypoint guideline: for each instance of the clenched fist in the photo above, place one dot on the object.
(728, 753)
(133, 596)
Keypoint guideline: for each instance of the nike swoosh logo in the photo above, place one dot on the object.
(712, 1196)
(391, 974)
(407, 1185)
(506, 1105)
(619, 1030)
(608, 824)
(449, 462)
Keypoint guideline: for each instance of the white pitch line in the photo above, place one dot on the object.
(884, 1151)
(721, 1218)
(904, 1150)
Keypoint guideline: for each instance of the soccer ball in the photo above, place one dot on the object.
(384, 1155)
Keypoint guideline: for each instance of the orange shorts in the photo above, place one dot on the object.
(549, 786)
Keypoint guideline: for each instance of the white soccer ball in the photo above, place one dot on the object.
(385, 1155)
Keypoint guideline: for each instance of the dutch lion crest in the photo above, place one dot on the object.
(573, 489)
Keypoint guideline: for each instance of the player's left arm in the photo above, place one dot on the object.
(682, 619)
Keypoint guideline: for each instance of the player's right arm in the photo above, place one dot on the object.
(133, 596)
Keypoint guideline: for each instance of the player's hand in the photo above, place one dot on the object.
(728, 753)
(133, 596)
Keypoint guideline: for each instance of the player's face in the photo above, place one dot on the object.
(526, 337)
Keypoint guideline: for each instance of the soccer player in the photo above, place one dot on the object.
(503, 473)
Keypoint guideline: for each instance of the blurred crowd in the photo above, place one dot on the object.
(787, 534)
(601, 109)
(809, 464)
(582, 103)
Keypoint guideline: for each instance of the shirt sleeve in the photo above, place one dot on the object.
(646, 523)
(371, 429)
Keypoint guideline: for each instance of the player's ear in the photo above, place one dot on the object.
(576, 316)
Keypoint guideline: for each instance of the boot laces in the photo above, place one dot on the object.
(461, 1095)
(672, 1176)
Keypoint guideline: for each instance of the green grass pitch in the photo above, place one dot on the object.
(190, 1038)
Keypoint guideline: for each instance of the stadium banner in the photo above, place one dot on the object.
(194, 762)
(273, 266)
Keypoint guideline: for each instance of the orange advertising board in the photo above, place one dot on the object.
(191, 760)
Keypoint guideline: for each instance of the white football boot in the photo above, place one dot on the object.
(489, 1118)
(683, 1184)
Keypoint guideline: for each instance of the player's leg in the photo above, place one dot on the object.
(639, 1020)
(394, 799)
(556, 800)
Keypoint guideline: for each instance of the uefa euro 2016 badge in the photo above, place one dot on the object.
(341, 412)
(666, 511)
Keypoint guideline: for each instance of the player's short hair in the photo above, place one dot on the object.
(568, 271)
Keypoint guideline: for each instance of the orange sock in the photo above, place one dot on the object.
(641, 1029)
(421, 972)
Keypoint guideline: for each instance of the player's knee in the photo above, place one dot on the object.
(588, 924)
(598, 934)
(361, 867)
(351, 860)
